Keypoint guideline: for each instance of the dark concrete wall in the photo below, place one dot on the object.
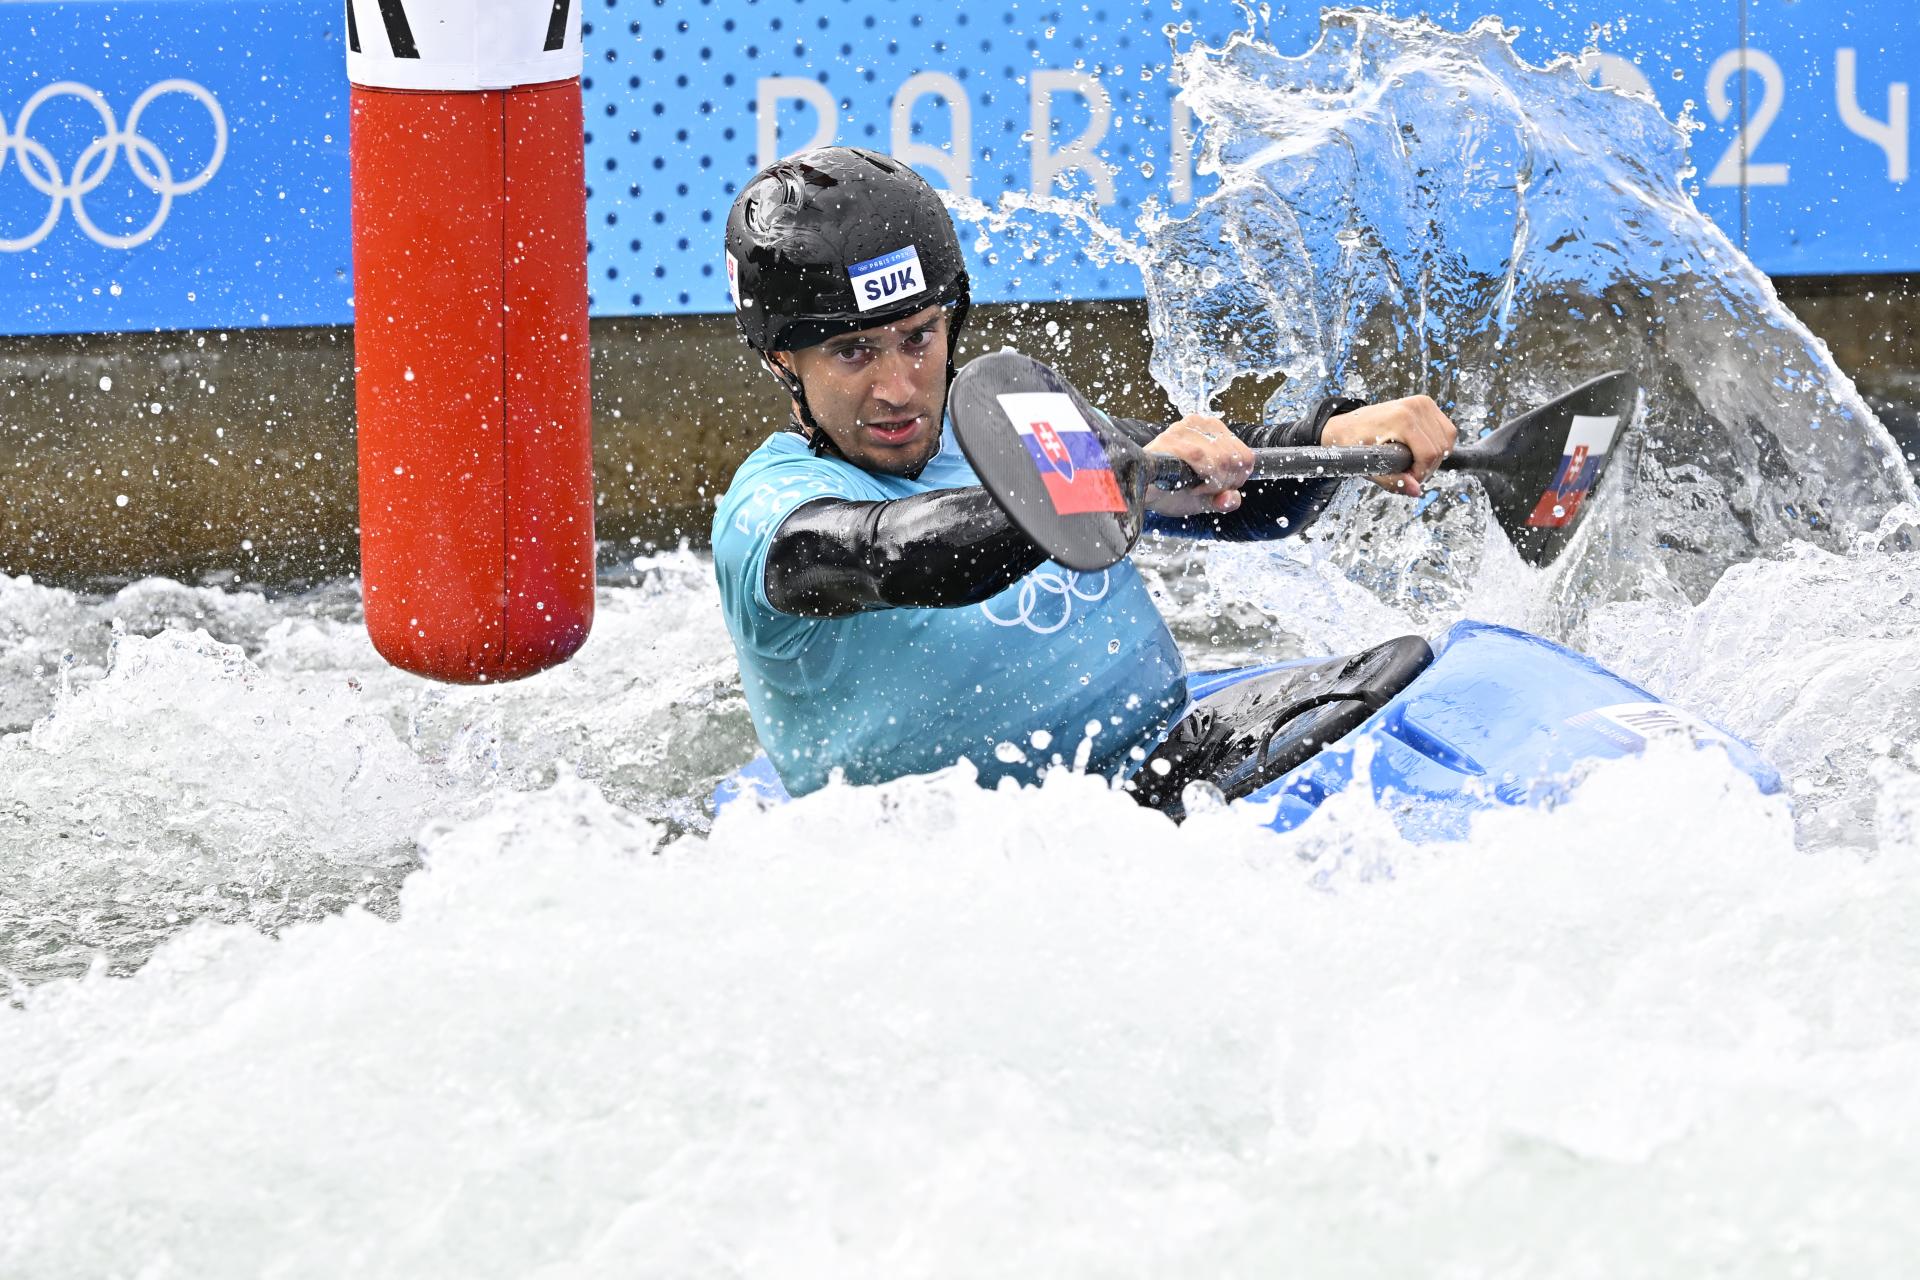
(1871, 324)
(230, 455)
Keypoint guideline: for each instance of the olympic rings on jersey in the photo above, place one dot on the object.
(1045, 582)
(149, 164)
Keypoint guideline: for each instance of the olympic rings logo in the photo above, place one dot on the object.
(1041, 585)
(149, 164)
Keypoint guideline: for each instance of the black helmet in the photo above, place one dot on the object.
(835, 240)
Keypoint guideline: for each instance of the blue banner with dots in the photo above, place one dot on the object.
(686, 98)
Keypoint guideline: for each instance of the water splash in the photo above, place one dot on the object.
(185, 784)
(1814, 658)
(191, 754)
(1405, 208)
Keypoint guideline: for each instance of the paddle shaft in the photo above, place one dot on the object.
(1008, 410)
(1308, 461)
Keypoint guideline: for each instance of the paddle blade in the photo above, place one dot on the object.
(1069, 482)
(1540, 468)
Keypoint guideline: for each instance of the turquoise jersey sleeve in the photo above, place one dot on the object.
(764, 493)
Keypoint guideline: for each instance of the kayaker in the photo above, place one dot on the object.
(888, 617)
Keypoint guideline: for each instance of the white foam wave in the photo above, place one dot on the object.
(927, 1030)
(1812, 656)
(185, 783)
(176, 775)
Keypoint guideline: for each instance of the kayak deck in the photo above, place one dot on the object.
(1498, 717)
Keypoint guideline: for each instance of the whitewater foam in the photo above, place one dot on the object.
(926, 1029)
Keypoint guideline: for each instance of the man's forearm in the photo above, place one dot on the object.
(833, 558)
(1268, 508)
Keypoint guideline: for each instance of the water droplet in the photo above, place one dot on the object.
(1201, 797)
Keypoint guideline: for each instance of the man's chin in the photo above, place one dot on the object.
(900, 461)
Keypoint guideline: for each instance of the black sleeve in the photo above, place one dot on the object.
(1268, 508)
(832, 558)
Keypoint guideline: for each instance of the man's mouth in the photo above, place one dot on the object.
(897, 430)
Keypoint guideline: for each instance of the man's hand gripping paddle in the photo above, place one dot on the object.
(1077, 486)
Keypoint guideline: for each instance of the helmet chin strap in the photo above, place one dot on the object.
(817, 439)
(956, 325)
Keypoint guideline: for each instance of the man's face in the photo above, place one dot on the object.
(879, 394)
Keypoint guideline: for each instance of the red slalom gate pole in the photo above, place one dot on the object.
(470, 334)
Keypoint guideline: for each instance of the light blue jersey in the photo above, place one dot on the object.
(897, 691)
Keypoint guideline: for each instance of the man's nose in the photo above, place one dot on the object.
(895, 376)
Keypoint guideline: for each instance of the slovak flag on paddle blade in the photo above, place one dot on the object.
(1587, 444)
(1068, 455)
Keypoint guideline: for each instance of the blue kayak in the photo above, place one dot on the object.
(1484, 717)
